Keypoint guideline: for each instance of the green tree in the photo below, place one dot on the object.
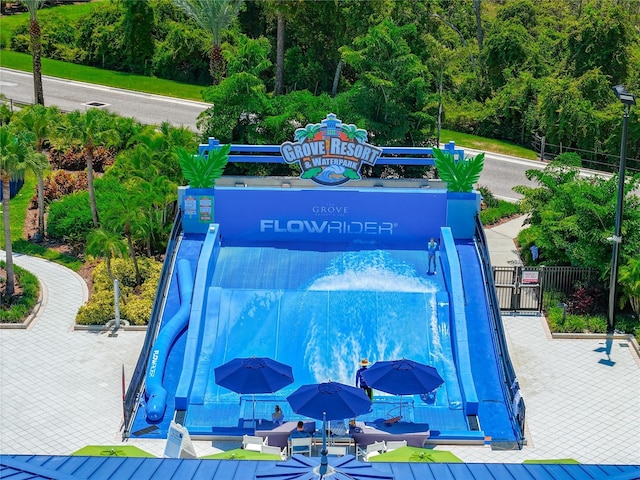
(629, 278)
(214, 17)
(392, 91)
(107, 244)
(600, 39)
(139, 44)
(122, 213)
(89, 130)
(36, 47)
(571, 217)
(41, 122)
(16, 155)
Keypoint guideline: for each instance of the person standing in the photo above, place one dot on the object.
(432, 248)
(360, 381)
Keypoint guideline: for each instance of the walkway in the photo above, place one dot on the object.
(61, 389)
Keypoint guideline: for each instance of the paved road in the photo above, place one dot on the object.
(500, 174)
(70, 95)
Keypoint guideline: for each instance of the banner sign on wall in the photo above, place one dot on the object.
(330, 153)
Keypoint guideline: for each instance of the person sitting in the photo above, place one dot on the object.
(277, 417)
(299, 432)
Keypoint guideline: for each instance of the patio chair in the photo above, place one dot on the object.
(273, 450)
(300, 445)
(249, 442)
(337, 428)
(394, 444)
(371, 450)
(337, 451)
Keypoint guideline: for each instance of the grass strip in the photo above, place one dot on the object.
(18, 212)
(98, 76)
(487, 144)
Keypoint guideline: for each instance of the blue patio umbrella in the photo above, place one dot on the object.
(334, 399)
(402, 377)
(253, 375)
(328, 401)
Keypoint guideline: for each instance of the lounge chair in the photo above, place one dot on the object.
(249, 442)
(371, 450)
(394, 444)
(273, 450)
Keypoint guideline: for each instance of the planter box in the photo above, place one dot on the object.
(461, 211)
(197, 206)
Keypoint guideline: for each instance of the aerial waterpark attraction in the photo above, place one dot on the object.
(317, 273)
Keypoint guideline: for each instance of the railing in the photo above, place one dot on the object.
(131, 399)
(416, 156)
(510, 385)
(591, 159)
(523, 288)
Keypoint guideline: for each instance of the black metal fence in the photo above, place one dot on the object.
(591, 159)
(523, 288)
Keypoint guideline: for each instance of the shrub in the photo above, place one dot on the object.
(98, 310)
(135, 303)
(16, 308)
(490, 201)
(60, 183)
(551, 299)
(73, 158)
(70, 218)
(584, 300)
(505, 209)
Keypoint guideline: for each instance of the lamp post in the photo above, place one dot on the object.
(627, 99)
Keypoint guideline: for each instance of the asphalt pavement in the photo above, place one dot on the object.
(69, 95)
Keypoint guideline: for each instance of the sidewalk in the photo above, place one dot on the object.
(62, 389)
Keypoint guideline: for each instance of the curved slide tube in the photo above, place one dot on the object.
(154, 391)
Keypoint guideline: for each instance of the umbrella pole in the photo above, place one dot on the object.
(324, 461)
(253, 414)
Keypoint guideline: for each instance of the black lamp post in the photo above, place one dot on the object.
(627, 99)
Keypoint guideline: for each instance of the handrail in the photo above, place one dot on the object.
(510, 386)
(137, 379)
(271, 153)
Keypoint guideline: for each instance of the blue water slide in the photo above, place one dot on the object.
(155, 393)
(493, 411)
(453, 277)
(201, 309)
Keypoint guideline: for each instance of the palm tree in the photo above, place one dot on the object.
(107, 244)
(16, 156)
(213, 16)
(40, 121)
(89, 130)
(123, 213)
(36, 47)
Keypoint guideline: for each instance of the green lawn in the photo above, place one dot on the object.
(18, 215)
(9, 23)
(81, 73)
(487, 144)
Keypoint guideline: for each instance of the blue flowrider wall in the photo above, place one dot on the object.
(320, 278)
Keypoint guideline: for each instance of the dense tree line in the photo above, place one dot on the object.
(506, 68)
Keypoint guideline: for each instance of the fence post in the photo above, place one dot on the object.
(542, 145)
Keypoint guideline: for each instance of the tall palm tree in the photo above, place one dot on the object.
(213, 16)
(40, 121)
(36, 47)
(107, 244)
(16, 155)
(89, 130)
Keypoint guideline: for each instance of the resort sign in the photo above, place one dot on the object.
(330, 153)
